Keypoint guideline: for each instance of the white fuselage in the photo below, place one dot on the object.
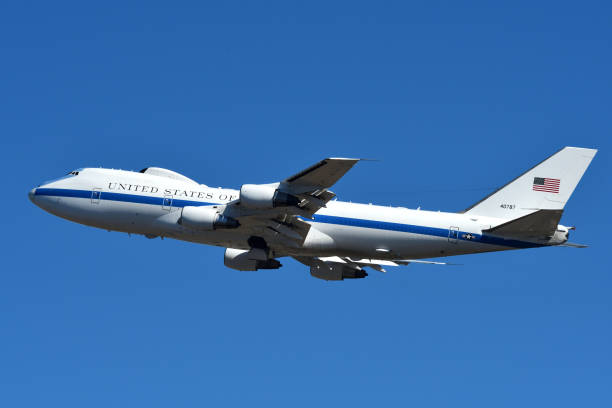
(151, 205)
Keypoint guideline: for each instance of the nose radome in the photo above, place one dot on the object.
(31, 194)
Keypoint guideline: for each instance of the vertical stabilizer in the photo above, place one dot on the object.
(547, 186)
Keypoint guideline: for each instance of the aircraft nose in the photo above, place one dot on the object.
(32, 194)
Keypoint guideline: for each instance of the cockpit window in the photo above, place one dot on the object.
(75, 172)
(68, 175)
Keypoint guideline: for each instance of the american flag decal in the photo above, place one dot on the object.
(548, 185)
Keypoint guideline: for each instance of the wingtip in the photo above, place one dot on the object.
(352, 159)
(589, 150)
(343, 158)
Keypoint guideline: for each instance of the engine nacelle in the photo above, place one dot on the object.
(259, 197)
(205, 219)
(241, 260)
(336, 271)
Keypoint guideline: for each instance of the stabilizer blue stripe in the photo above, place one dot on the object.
(326, 219)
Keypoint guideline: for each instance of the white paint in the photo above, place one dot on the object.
(171, 192)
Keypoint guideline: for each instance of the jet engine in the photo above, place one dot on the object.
(259, 197)
(336, 271)
(242, 260)
(205, 219)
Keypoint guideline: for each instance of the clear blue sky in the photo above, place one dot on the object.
(454, 101)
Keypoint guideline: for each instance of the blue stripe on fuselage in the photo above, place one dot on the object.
(422, 230)
(126, 198)
(324, 219)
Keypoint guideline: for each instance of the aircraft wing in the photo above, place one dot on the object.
(312, 184)
(311, 189)
(322, 175)
(339, 268)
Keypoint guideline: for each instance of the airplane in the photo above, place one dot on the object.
(299, 216)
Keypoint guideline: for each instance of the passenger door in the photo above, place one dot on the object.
(453, 235)
(96, 195)
(167, 202)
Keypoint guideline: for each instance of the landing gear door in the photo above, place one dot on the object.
(167, 202)
(453, 235)
(96, 194)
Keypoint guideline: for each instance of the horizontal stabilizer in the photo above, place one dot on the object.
(574, 245)
(540, 224)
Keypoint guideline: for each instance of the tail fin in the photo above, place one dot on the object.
(547, 186)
